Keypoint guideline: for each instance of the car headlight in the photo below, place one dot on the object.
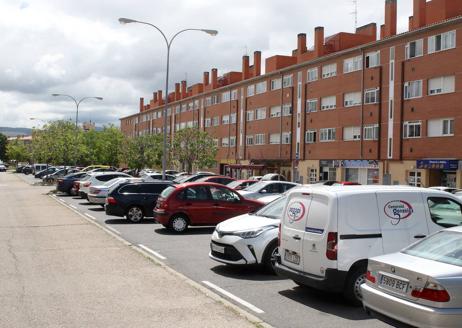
(246, 234)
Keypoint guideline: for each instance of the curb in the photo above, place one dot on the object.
(216, 297)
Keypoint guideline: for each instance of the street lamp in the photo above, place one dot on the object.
(168, 43)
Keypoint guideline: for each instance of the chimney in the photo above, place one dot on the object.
(159, 97)
(154, 96)
(256, 63)
(141, 104)
(214, 78)
(183, 89)
(301, 43)
(245, 67)
(319, 41)
(205, 81)
(390, 18)
(177, 91)
(419, 13)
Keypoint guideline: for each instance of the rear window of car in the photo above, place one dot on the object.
(129, 189)
(152, 188)
(444, 246)
(167, 192)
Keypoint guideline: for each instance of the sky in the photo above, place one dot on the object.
(80, 49)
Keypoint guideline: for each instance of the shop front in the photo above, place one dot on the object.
(365, 172)
(441, 172)
(328, 170)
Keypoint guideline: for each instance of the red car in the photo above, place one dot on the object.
(200, 203)
(241, 184)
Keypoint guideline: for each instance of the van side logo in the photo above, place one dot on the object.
(295, 211)
(398, 210)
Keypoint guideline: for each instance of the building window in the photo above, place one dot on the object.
(312, 74)
(224, 142)
(412, 129)
(310, 136)
(439, 85)
(178, 108)
(196, 104)
(390, 147)
(233, 118)
(287, 81)
(275, 138)
(260, 139)
(225, 96)
(208, 101)
(215, 141)
(286, 109)
(232, 141)
(352, 99)
(414, 49)
(442, 42)
(190, 106)
(441, 127)
(225, 119)
(215, 99)
(249, 116)
(234, 94)
(311, 105)
(275, 111)
(184, 108)
(216, 121)
(313, 175)
(327, 134)
(250, 90)
(415, 178)
(351, 133)
(371, 96)
(329, 70)
(373, 59)
(169, 111)
(260, 87)
(413, 89)
(328, 103)
(286, 138)
(208, 122)
(260, 113)
(249, 140)
(189, 124)
(371, 132)
(352, 64)
(276, 84)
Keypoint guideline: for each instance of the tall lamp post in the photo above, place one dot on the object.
(168, 43)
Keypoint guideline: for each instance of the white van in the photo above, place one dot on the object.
(328, 233)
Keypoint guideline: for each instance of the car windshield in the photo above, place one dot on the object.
(274, 209)
(444, 246)
(233, 184)
(256, 186)
(167, 191)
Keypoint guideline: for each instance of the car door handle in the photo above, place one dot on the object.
(420, 236)
(296, 237)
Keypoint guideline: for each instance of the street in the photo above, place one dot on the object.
(277, 301)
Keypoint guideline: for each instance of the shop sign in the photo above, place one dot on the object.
(360, 164)
(439, 164)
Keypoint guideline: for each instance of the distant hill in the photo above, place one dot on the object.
(13, 132)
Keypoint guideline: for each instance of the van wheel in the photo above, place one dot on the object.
(354, 281)
(178, 223)
(269, 256)
(135, 214)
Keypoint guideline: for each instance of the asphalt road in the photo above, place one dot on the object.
(279, 302)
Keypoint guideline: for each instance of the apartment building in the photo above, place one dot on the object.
(354, 107)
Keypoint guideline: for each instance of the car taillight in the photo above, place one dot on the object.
(162, 204)
(370, 277)
(111, 201)
(431, 292)
(331, 248)
(279, 235)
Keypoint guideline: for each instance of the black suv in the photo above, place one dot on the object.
(134, 200)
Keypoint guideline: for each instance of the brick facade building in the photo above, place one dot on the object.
(353, 107)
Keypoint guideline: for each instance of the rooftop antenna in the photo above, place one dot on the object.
(355, 13)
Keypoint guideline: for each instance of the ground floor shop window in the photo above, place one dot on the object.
(414, 178)
(328, 173)
(372, 176)
(448, 179)
(352, 175)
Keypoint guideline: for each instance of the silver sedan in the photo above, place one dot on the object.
(421, 285)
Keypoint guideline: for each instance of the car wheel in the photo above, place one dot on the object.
(178, 223)
(354, 281)
(135, 214)
(269, 256)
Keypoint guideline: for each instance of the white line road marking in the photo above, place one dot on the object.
(74, 207)
(112, 229)
(233, 297)
(62, 200)
(152, 252)
(90, 216)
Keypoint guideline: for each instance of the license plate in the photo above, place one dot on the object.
(394, 284)
(216, 248)
(291, 257)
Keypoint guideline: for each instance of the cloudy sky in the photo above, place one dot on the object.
(79, 48)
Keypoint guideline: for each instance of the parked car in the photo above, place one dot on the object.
(255, 177)
(52, 177)
(65, 183)
(2, 168)
(98, 193)
(224, 180)
(266, 188)
(421, 285)
(273, 177)
(171, 172)
(49, 170)
(192, 178)
(200, 203)
(39, 167)
(101, 167)
(241, 184)
(27, 169)
(158, 176)
(249, 238)
(134, 200)
(447, 189)
(328, 233)
(98, 178)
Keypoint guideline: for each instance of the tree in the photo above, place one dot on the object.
(109, 145)
(192, 148)
(143, 151)
(18, 151)
(3, 143)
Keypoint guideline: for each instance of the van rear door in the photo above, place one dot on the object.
(293, 229)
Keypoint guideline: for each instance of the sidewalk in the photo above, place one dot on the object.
(58, 270)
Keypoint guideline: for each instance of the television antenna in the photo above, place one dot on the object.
(355, 13)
